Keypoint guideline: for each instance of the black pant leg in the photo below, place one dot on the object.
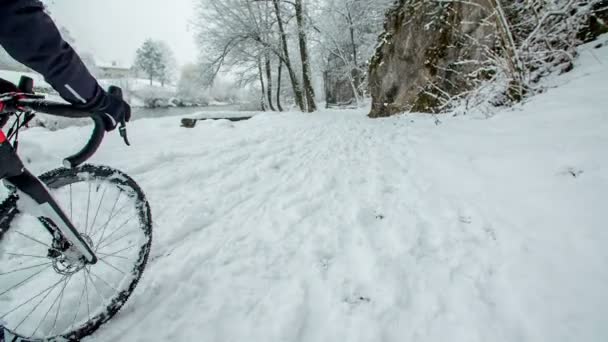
(10, 164)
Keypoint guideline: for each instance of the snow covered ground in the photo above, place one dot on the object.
(336, 227)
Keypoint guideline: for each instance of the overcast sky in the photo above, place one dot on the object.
(113, 29)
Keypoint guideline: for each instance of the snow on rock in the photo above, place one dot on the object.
(335, 227)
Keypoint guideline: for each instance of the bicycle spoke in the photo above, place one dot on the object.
(105, 225)
(25, 268)
(31, 238)
(103, 281)
(36, 307)
(88, 271)
(59, 306)
(103, 194)
(122, 250)
(117, 229)
(27, 255)
(104, 256)
(71, 207)
(110, 219)
(111, 216)
(79, 304)
(88, 205)
(116, 240)
(114, 267)
(31, 299)
(45, 316)
(23, 282)
(86, 288)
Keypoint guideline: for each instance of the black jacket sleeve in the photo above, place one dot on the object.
(29, 35)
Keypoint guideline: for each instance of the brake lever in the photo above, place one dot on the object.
(123, 132)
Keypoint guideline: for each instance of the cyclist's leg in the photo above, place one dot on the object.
(10, 164)
(13, 172)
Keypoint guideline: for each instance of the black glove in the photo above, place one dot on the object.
(112, 108)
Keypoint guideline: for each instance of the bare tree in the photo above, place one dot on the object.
(284, 56)
(262, 86)
(167, 66)
(268, 68)
(236, 34)
(279, 79)
(348, 34)
(309, 91)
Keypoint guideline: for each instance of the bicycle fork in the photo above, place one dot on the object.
(35, 199)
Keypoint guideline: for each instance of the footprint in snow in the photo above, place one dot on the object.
(465, 219)
(368, 217)
(573, 172)
(357, 300)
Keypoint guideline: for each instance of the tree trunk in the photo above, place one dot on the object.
(309, 91)
(269, 82)
(355, 73)
(279, 78)
(297, 91)
(261, 74)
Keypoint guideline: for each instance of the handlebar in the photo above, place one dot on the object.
(69, 111)
(91, 147)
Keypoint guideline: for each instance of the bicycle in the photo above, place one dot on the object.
(68, 260)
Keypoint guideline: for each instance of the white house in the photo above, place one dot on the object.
(113, 70)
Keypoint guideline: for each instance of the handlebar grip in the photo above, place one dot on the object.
(96, 138)
(91, 147)
(26, 85)
(116, 91)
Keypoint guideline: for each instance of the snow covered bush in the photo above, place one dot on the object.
(534, 39)
(473, 54)
(539, 38)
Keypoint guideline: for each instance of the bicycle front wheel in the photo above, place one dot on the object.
(44, 295)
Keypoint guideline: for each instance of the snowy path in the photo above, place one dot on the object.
(334, 227)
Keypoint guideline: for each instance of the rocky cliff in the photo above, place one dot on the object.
(428, 52)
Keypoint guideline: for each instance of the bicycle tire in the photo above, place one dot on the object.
(61, 177)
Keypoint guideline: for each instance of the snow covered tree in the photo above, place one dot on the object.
(284, 55)
(190, 87)
(155, 58)
(167, 64)
(539, 37)
(309, 91)
(148, 59)
(348, 33)
(232, 36)
(249, 36)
